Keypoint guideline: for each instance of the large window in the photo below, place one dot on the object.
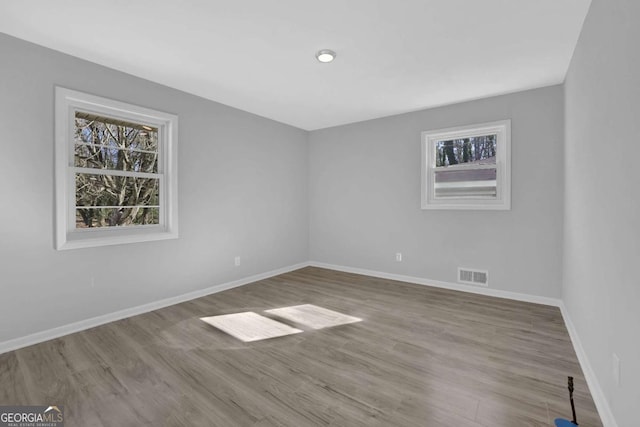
(467, 167)
(116, 172)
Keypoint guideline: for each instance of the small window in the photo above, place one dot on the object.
(467, 167)
(116, 172)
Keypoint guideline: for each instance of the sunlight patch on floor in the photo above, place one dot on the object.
(249, 326)
(313, 316)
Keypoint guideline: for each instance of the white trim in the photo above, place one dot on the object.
(133, 150)
(67, 101)
(81, 325)
(601, 402)
(465, 167)
(445, 285)
(117, 207)
(114, 172)
(502, 201)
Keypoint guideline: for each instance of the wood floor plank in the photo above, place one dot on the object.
(13, 388)
(420, 356)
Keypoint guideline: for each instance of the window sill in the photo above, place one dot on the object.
(482, 206)
(78, 240)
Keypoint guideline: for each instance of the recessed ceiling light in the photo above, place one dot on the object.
(325, 55)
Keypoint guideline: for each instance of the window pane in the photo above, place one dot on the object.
(473, 150)
(470, 183)
(121, 200)
(113, 217)
(106, 143)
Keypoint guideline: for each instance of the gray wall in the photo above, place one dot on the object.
(242, 191)
(602, 212)
(364, 192)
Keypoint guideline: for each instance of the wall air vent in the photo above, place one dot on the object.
(473, 277)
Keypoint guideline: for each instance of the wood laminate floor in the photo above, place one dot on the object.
(421, 357)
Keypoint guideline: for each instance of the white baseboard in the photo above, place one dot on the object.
(50, 334)
(601, 402)
(446, 285)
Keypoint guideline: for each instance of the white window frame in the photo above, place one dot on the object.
(502, 201)
(67, 236)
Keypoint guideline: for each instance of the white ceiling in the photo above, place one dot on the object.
(394, 56)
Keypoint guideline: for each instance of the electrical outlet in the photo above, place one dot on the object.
(236, 261)
(616, 369)
(398, 257)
